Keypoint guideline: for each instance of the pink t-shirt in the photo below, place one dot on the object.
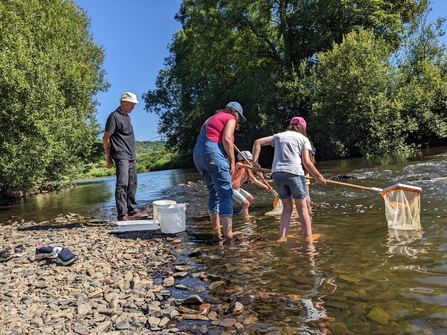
(216, 125)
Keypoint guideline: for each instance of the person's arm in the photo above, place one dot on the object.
(106, 145)
(308, 165)
(227, 141)
(255, 181)
(256, 150)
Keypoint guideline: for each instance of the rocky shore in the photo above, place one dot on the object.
(132, 283)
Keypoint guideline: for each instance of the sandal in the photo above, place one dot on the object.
(18, 249)
(4, 255)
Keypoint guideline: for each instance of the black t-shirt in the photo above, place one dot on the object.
(122, 141)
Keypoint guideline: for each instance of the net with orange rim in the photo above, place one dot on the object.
(402, 206)
(277, 208)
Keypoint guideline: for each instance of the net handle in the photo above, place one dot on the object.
(374, 189)
(251, 167)
(328, 181)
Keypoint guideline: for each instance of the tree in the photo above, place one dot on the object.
(353, 109)
(422, 64)
(249, 51)
(50, 69)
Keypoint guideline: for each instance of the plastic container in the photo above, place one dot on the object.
(172, 218)
(159, 204)
(136, 225)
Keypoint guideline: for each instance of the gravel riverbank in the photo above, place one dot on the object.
(133, 283)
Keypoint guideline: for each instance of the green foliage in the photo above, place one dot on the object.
(49, 71)
(353, 112)
(423, 81)
(153, 161)
(143, 147)
(256, 52)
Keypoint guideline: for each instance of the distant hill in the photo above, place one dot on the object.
(145, 147)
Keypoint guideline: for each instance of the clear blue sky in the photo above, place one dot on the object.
(136, 34)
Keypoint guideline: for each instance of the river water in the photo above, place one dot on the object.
(358, 277)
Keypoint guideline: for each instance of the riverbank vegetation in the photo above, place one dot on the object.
(50, 72)
(151, 156)
(370, 77)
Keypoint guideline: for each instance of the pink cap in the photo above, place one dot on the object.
(298, 120)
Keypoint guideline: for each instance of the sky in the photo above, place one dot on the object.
(136, 35)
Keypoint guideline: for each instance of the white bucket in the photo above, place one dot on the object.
(156, 205)
(172, 218)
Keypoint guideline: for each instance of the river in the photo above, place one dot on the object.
(359, 276)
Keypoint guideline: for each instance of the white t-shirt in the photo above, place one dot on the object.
(288, 147)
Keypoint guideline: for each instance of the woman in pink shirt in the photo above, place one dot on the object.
(214, 158)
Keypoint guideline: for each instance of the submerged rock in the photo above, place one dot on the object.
(378, 315)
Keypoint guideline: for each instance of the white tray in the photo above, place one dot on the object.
(136, 225)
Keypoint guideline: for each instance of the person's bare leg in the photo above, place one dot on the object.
(308, 201)
(215, 222)
(245, 206)
(306, 225)
(227, 224)
(285, 218)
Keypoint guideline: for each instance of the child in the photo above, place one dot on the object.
(292, 149)
(241, 175)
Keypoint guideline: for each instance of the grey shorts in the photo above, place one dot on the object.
(240, 195)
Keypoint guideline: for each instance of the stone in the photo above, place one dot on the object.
(378, 315)
(192, 300)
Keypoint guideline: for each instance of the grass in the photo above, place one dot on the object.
(155, 161)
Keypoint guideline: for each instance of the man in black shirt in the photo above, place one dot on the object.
(119, 147)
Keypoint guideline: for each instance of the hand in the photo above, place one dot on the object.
(270, 189)
(320, 179)
(109, 162)
(256, 166)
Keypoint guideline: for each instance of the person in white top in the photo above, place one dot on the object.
(291, 153)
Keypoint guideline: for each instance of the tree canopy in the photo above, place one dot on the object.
(50, 70)
(325, 60)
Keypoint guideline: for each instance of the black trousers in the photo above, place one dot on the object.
(126, 187)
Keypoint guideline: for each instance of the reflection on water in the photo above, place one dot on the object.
(405, 242)
(358, 277)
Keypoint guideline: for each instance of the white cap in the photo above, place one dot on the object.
(128, 96)
(247, 155)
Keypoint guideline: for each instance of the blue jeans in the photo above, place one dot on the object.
(287, 184)
(126, 187)
(214, 167)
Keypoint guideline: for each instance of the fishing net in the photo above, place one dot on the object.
(402, 206)
(277, 207)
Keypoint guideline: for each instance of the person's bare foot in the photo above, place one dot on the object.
(217, 238)
(312, 237)
(245, 214)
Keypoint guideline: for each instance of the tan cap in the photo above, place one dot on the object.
(127, 96)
